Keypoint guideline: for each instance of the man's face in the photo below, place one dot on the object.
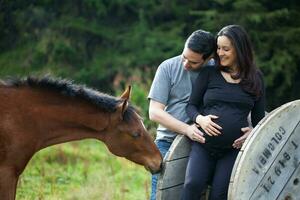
(191, 60)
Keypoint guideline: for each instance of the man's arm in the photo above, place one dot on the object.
(159, 115)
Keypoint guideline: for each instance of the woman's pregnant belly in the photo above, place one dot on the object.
(231, 122)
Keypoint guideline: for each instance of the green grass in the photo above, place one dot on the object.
(83, 170)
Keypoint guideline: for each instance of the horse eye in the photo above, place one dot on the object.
(136, 135)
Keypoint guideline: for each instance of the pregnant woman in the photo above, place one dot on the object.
(221, 99)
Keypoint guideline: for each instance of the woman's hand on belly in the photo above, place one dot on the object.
(207, 124)
(238, 143)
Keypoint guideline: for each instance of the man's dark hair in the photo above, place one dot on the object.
(202, 42)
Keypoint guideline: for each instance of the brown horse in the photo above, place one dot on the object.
(36, 113)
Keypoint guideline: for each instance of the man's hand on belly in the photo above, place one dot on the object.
(238, 143)
(195, 134)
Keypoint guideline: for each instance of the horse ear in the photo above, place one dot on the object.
(121, 108)
(126, 94)
(123, 105)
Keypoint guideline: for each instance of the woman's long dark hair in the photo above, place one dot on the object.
(250, 75)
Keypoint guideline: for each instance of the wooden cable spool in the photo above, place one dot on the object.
(267, 167)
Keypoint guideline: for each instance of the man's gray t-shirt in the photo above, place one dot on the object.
(172, 86)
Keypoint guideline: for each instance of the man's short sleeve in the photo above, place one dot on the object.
(160, 88)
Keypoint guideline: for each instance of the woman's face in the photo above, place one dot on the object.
(226, 52)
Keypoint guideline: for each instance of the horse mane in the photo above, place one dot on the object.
(68, 88)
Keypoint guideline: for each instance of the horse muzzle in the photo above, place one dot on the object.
(155, 171)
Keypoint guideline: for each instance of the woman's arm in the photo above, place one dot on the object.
(258, 111)
(195, 105)
(196, 99)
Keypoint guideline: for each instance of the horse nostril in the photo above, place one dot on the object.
(155, 171)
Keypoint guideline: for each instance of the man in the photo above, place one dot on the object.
(171, 89)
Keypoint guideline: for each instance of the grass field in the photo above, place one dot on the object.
(83, 170)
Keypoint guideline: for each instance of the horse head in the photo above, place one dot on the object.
(129, 138)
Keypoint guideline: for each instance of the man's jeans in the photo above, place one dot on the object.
(163, 147)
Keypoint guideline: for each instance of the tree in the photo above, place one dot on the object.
(94, 41)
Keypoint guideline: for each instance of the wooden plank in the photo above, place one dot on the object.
(267, 166)
(174, 175)
(171, 180)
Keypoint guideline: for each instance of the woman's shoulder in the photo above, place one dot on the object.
(210, 69)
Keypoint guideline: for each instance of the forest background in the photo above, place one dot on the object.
(108, 44)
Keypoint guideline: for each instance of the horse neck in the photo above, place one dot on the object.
(58, 119)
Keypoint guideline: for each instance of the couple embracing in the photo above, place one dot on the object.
(206, 93)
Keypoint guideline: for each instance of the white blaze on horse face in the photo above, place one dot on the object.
(142, 122)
